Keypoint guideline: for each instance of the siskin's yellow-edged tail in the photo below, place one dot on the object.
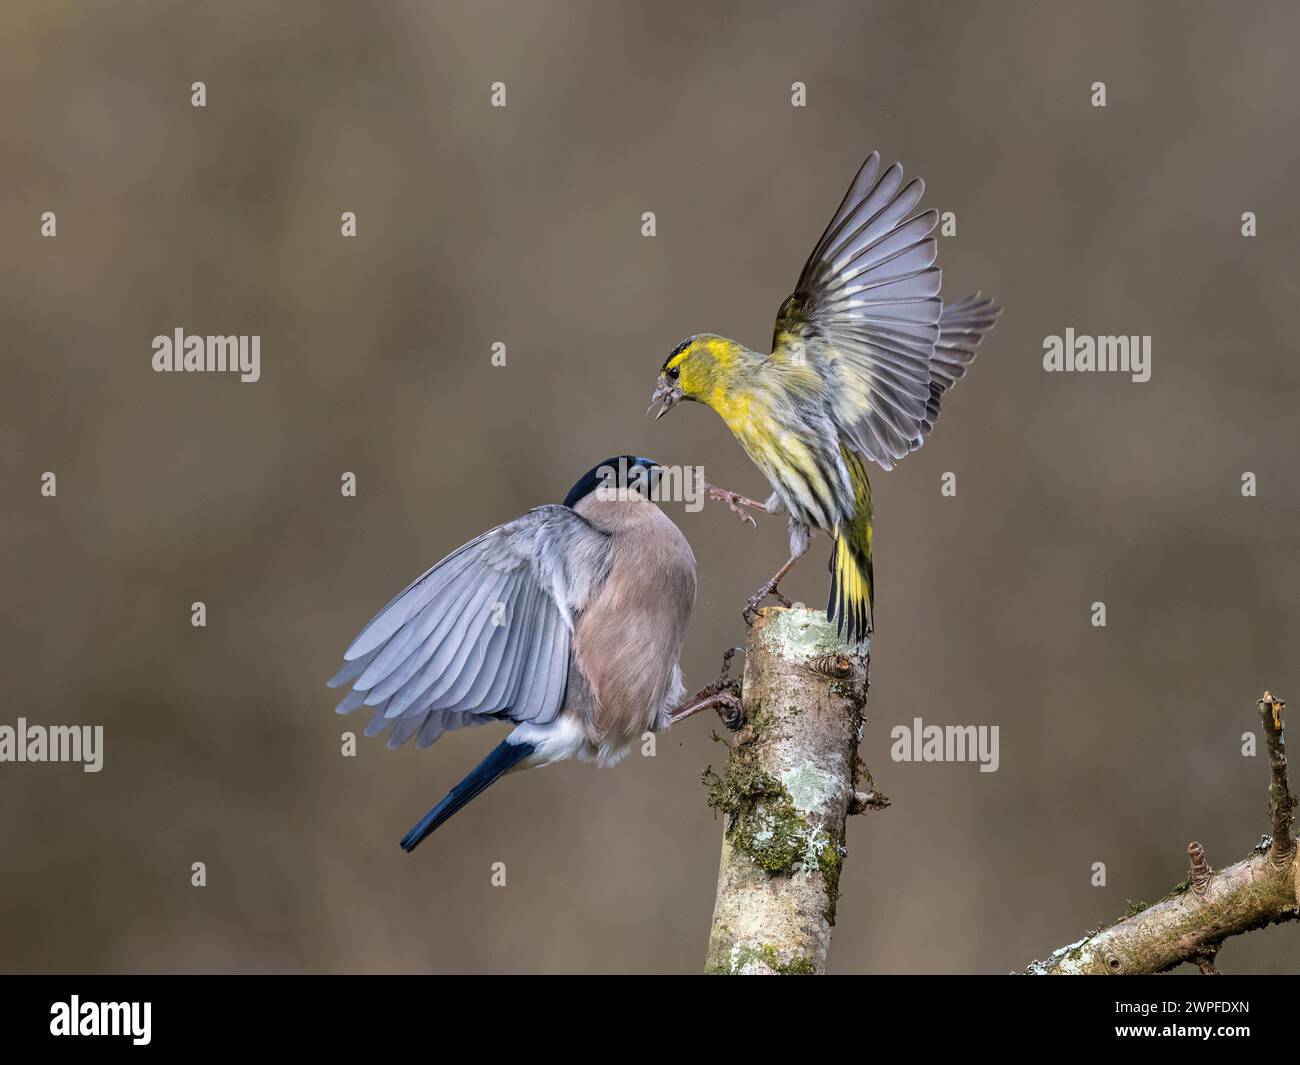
(852, 586)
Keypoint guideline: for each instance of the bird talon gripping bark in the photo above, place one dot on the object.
(732, 711)
(726, 698)
(768, 590)
(723, 696)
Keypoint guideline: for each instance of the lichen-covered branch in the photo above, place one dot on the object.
(792, 777)
(1191, 923)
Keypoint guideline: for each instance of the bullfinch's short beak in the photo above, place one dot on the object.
(665, 397)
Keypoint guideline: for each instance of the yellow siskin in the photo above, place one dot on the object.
(863, 352)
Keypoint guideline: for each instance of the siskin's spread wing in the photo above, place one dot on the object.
(961, 328)
(865, 314)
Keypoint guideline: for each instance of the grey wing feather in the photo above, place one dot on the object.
(961, 328)
(483, 635)
(866, 310)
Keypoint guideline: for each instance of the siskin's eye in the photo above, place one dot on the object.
(674, 373)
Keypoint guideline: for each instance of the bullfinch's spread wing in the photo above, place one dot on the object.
(483, 635)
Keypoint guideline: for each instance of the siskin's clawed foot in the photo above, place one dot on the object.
(756, 600)
(735, 501)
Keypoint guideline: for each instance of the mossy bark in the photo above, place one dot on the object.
(784, 795)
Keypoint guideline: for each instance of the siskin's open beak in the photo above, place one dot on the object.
(666, 396)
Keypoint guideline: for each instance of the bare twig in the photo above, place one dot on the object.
(1190, 923)
(1280, 802)
(1198, 876)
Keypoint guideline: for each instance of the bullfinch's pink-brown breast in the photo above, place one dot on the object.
(628, 641)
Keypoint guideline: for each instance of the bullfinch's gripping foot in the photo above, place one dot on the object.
(731, 711)
(723, 695)
(735, 501)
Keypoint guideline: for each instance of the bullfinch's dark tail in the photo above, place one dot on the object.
(504, 756)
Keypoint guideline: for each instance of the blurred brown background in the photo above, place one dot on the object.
(523, 225)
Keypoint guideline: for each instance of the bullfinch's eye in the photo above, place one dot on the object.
(674, 373)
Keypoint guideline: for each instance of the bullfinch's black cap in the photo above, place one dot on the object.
(621, 471)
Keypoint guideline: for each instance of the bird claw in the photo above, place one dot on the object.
(723, 695)
(734, 501)
(755, 601)
(731, 710)
(744, 515)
